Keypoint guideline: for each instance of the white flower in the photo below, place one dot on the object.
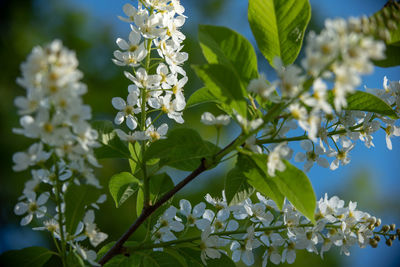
(251, 144)
(319, 99)
(291, 78)
(219, 222)
(244, 251)
(312, 155)
(156, 134)
(172, 108)
(341, 156)
(275, 162)
(209, 246)
(329, 208)
(127, 110)
(249, 125)
(132, 137)
(166, 224)
(131, 13)
(262, 88)
(239, 251)
(298, 112)
(91, 230)
(87, 255)
(305, 239)
(50, 225)
(291, 217)
(34, 155)
(257, 212)
(391, 130)
(209, 119)
(173, 25)
(289, 253)
(194, 217)
(167, 79)
(272, 253)
(143, 80)
(134, 53)
(32, 206)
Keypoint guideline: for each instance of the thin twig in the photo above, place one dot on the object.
(147, 211)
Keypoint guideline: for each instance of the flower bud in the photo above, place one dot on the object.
(385, 228)
(392, 227)
(389, 242)
(372, 220)
(373, 243)
(393, 237)
(378, 222)
(377, 238)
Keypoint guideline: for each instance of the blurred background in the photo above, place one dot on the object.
(90, 27)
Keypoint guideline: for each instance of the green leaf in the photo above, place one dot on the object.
(364, 101)
(179, 257)
(183, 149)
(297, 188)
(292, 183)
(254, 168)
(123, 261)
(111, 145)
(161, 259)
(74, 260)
(227, 91)
(104, 249)
(76, 198)
(26, 257)
(387, 19)
(278, 27)
(392, 59)
(193, 259)
(201, 96)
(122, 186)
(236, 187)
(221, 45)
(134, 150)
(139, 201)
(160, 184)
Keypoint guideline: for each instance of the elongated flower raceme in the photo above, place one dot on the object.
(316, 97)
(53, 114)
(238, 230)
(157, 82)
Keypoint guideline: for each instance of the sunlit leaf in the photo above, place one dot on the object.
(279, 27)
(183, 149)
(122, 186)
(226, 90)
(221, 45)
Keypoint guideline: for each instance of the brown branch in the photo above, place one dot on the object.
(147, 211)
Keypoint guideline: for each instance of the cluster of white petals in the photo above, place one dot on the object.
(237, 230)
(54, 115)
(342, 55)
(157, 82)
(316, 100)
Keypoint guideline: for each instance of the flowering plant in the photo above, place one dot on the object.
(268, 204)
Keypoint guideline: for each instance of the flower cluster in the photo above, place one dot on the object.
(53, 114)
(157, 81)
(238, 230)
(341, 55)
(335, 58)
